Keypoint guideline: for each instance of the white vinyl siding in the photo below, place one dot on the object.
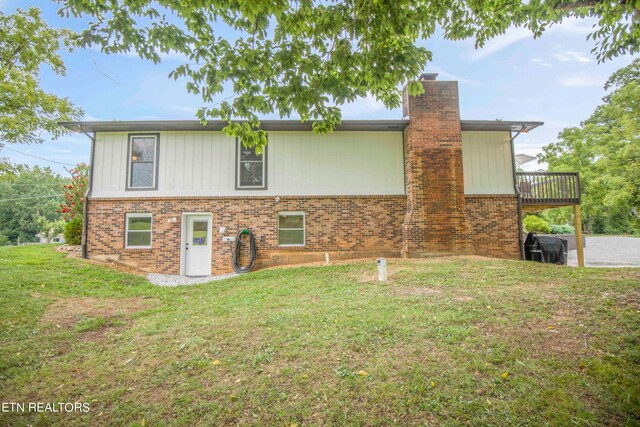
(297, 164)
(487, 164)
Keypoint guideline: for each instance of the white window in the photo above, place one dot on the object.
(143, 158)
(138, 230)
(251, 169)
(291, 229)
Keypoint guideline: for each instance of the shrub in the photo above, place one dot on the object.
(562, 229)
(73, 231)
(536, 224)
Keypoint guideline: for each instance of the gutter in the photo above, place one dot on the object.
(517, 191)
(85, 215)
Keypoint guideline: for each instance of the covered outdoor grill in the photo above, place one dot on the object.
(547, 249)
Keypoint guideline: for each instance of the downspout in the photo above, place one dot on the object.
(85, 216)
(517, 192)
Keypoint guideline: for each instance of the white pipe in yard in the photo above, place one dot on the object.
(382, 269)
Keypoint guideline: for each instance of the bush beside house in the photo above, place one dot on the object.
(562, 229)
(536, 224)
(73, 231)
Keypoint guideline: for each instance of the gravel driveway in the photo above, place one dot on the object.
(613, 251)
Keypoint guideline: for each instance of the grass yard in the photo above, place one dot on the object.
(444, 342)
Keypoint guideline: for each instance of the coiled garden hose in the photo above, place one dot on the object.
(252, 252)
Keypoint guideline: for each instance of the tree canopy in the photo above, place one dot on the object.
(605, 149)
(308, 57)
(26, 110)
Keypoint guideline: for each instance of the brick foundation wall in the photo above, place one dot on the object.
(346, 227)
(493, 224)
(435, 220)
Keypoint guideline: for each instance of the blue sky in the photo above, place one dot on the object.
(554, 79)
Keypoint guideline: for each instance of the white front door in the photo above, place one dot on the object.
(197, 245)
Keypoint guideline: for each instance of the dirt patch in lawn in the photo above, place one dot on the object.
(69, 311)
(102, 332)
(560, 335)
(631, 299)
(544, 340)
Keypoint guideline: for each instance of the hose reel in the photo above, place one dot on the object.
(252, 252)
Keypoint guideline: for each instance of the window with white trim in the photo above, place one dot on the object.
(138, 231)
(291, 229)
(251, 168)
(143, 155)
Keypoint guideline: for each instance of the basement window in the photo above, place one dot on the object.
(142, 172)
(251, 168)
(291, 229)
(138, 231)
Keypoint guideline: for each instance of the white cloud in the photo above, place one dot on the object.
(541, 62)
(581, 80)
(569, 26)
(572, 25)
(572, 56)
(561, 57)
(513, 35)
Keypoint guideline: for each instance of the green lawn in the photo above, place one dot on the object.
(443, 342)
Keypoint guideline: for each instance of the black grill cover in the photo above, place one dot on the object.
(552, 249)
(548, 249)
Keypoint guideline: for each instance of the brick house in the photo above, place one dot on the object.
(167, 196)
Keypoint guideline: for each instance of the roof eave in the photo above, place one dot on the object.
(194, 125)
(500, 125)
(287, 125)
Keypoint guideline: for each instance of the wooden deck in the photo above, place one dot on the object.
(544, 190)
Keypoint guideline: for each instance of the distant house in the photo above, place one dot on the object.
(166, 195)
(56, 239)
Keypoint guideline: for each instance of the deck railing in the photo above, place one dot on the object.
(549, 188)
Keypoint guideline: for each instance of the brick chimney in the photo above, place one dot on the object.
(435, 220)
